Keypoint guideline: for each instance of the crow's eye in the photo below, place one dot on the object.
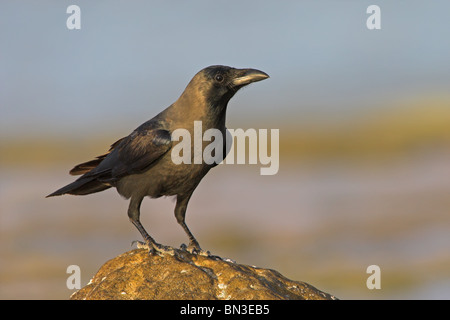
(219, 78)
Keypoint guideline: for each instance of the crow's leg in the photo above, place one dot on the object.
(180, 214)
(151, 244)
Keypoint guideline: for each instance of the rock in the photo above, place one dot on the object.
(137, 275)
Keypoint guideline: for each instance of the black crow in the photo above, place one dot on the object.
(141, 165)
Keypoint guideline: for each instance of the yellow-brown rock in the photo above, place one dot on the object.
(185, 276)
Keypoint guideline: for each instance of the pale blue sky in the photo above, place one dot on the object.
(131, 59)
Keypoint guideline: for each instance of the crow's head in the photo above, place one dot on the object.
(218, 84)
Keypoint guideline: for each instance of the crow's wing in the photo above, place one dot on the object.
(84, 167)
(129, 155)
(139, 150)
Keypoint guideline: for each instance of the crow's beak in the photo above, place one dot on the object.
(247, 76)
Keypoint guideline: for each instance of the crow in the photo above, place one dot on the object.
(141, 165)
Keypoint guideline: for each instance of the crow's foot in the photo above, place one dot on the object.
(154, 248)
(194, 248)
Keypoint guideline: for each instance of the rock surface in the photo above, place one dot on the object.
(184, 276)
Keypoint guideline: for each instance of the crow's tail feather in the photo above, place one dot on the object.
(82, 186)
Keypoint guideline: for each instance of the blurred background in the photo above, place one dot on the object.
(364, 120)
